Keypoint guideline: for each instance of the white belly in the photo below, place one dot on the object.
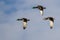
(24, 24)
(41, 12)
(51, 24)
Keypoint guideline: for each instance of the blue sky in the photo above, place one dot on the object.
(37, 29)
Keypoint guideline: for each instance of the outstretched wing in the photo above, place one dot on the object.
(19, 19)
(35, 7)
(28, 20)
(44, 7)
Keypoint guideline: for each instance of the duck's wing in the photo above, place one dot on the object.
(28, 19)
(44, 7)
(34, 7)
(19, 19)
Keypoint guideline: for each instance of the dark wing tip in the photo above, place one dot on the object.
(28, 20)
(44, 7)
(34, 7)
(19, 19)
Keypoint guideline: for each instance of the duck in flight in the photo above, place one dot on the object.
(25, 20)
(41, 8)
(51, 20)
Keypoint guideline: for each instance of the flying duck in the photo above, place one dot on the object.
(41, 8)
(24, 22)
(51, 20)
